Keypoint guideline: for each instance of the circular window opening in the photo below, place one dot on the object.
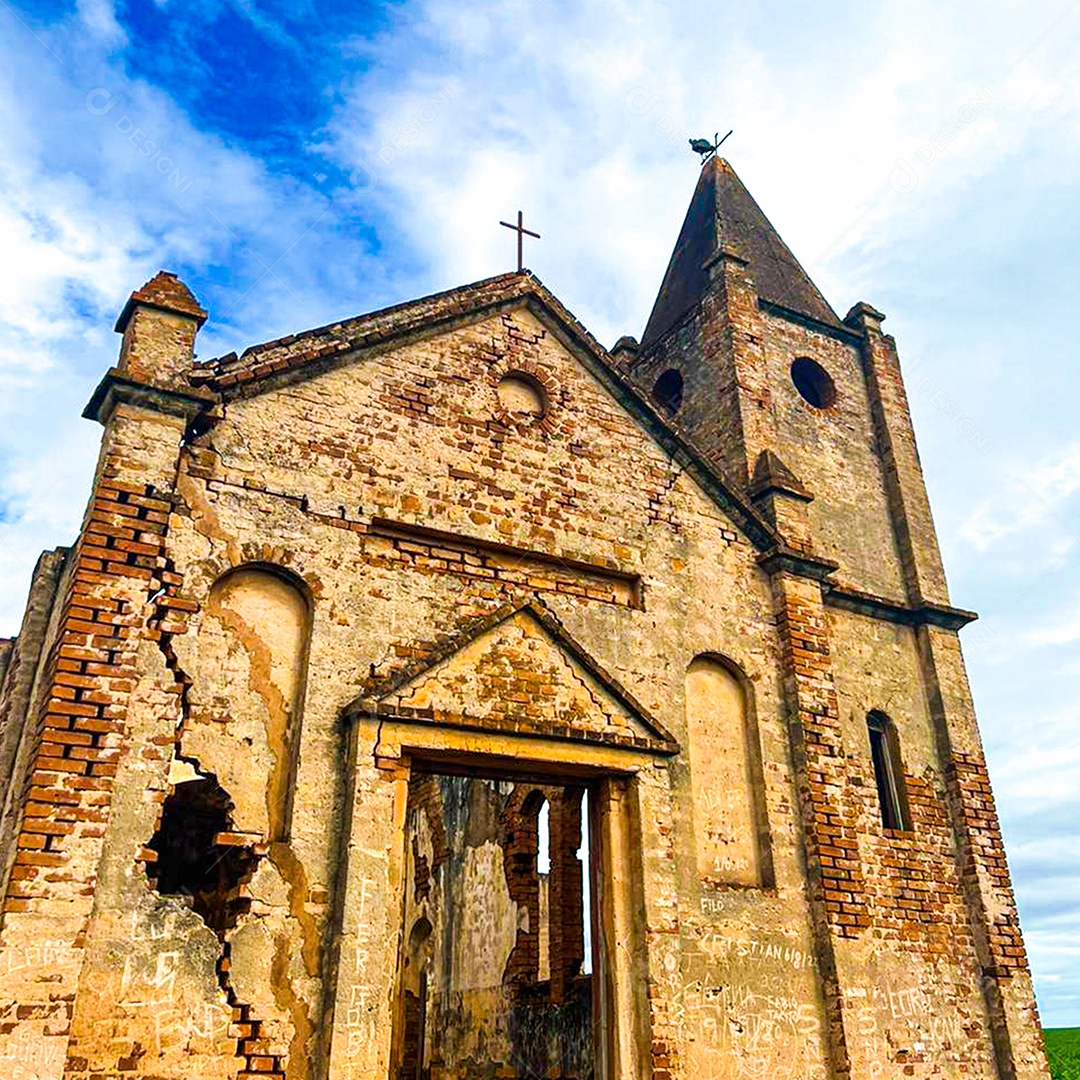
(522, 396)
(667, 391)
(813, 382)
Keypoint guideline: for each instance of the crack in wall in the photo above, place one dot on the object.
(280, 734)
(234, 863)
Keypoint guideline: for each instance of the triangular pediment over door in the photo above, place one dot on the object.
(519, 674)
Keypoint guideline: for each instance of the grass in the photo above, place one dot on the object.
(1063, 1050)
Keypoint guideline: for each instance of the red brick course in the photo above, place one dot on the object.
(79, 732)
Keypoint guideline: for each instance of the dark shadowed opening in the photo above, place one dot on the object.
(192, 863)
(501, 987)
(885, 754)
(813, 382)
(668, 391)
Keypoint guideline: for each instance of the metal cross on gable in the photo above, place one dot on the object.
(522, 232)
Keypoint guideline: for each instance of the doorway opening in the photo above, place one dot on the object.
(499, 948)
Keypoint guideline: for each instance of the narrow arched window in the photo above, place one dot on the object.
(888, 774)
(246, 698)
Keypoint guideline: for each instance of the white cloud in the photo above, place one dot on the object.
(1028, 498)
(104, 180)
(99, 18)
(1062, 632)
(555, 109)
(1043, 770)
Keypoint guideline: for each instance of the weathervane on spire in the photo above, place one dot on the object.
(708, 149)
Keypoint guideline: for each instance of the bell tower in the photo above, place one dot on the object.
(806, 414)
(759, 362)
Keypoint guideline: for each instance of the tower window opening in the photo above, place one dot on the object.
(813, 382)
(885, 754)
(668, 391)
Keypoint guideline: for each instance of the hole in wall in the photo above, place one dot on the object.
(814, 383)
(193, 863)
(668, 391)
(201, 862)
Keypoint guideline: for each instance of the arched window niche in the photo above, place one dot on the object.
(727, 781)
(888, 771)
(415, 984)
(668, 391)
(247, 692)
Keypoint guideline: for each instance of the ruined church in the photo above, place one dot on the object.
(441, 695)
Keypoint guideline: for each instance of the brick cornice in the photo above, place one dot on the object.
(116, 388)
(920, 614)
(785, 560)
(840, 333)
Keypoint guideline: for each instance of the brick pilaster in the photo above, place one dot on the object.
(981, 862)
(113, 600)
(837, 893)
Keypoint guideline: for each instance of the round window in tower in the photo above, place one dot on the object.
(813, 382)
(522, 397)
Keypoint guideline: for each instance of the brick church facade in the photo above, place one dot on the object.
(438, 695)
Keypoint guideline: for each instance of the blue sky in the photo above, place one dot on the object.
(300, 162)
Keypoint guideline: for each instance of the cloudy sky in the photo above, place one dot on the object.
(298, 162)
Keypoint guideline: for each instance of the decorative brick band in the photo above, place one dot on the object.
(405, 546)
(434, 551)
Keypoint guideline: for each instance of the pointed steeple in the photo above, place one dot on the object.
(724, 216)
